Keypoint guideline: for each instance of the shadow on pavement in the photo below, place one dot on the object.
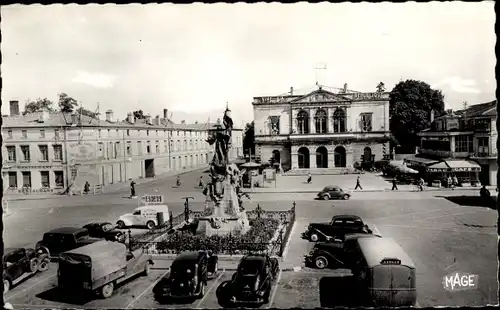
(472, 201)
(57, 295)
(338, 292)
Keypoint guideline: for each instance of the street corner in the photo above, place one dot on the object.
(208, 301)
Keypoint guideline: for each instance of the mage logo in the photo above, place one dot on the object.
(460, 281)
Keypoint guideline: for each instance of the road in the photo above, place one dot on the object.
(440, 231)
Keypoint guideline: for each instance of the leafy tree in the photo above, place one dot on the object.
(249, 138)
(66, 103)
(410, 106)
(139, 114)
(38, 105)
(381, 87)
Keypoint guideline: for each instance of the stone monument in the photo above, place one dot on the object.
(223, 192)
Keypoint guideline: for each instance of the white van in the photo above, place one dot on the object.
(144, 216)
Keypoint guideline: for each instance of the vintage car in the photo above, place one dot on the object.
(252, 281)
(143, 216)
(99, 266)
(105, 230)
(64, 239)
(333, 192)
(188, 276)
(334, 254)
(337, 228)
(19, 263)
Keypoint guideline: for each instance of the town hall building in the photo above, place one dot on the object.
(322, 130)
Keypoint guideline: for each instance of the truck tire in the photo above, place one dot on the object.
(44, 265)
(33, 265)
(150, 225)
(6, 285)
(107, 290)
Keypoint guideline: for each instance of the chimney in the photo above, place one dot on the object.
(14, 108)
(109, 116)
(291, 91)
(130, 118)
(148, 119)
(432, 116)
(196, 123)
(183, 122)
(165, 113)
(157, 120)
(74, 118)
(43, 116)
(345, 88)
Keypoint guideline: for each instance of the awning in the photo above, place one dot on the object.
(400, 166)
(455, 166)
(420, 161)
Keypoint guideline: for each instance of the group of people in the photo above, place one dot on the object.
(452, 181)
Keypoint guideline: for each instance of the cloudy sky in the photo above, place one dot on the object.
(195, 58)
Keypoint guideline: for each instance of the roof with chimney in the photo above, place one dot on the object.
(479, 110)
(58, 119)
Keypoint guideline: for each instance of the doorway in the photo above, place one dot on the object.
(340, 156)
(321, 157)
(303, 155)
(484, 175)
(149, 165)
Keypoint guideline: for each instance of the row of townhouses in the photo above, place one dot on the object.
(46, 152)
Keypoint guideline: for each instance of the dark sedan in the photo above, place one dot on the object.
(252, 281)
(105, 230)
(338, 226)
(333, 192)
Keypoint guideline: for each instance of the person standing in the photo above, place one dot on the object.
(200, 184)
(178, 181)
(132, 189)
(394, 184)
(358, 184)
(455, 180)
(86, 187)
(450, 182)
(309, 178)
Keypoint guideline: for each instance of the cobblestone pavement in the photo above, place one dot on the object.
(439, 235)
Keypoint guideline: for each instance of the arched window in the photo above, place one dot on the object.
(320, 119)
(303, 122)
(339, 121)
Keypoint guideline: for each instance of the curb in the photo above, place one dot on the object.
(362, 191)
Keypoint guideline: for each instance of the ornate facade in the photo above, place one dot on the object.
(322, 129)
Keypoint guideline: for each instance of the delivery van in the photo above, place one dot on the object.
(385, 274)
(144, 216)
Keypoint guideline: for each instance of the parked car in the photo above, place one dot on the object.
(19, 263)
(144, 216)
(64, 239)
(99, 267)
(105, 230)
(188, 276)
(336, 254)
(333, 192)
(252, 281)
(337, 228)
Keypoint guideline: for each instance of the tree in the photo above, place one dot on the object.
(410, 106)
(38, 105)
(381, 87)
(66, 103)
(139, 114)
(249, 138)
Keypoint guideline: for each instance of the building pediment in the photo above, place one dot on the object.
(320, 96)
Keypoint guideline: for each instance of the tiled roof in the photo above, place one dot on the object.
(65, 119)
(482, 109)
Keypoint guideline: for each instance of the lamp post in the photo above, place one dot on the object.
(186, 208)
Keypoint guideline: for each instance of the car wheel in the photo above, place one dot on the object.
(345, 197)
(6, 286)
(325, 197)
(202, 290)
(267, 294)
(150, 224)
(314, 238)
(107, 290)
(44, 265)
(120, 224)
(44, 250)
(321, 262)
(33, 265)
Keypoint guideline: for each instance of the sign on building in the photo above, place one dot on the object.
(152, 200)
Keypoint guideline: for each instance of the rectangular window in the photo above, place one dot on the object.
(139, 147)
(157, 147)
(110, 150)
(11, 151)
(45, 180)
(366, 122)
(12, 179)
(56, 133)
(147, 132)
(42, 133)
(9, 134)
(483, 146)
(25, 151)
(58, 155)
(59, 178)
(129, 148)
(26, 178)
(128, 132)
(44, 152)
(117, 149)
(148, 147)
(99, 133)
(24, 134)
(100, 149)
(463, 143)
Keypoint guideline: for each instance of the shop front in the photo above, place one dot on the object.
(467, 172)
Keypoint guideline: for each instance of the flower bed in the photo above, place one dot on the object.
(257, 239)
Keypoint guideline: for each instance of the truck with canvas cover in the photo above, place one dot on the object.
(99, 266)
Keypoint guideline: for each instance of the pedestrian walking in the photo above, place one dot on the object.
(309, 178)
(86, 187)
(200, 184)
(421, 184)
(450, 182)
(358, 184)
(394, 184)
(455, 180)
(132, 189)
(178, 182)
